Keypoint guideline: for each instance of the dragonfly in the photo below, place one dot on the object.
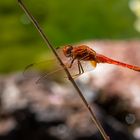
(83, 53)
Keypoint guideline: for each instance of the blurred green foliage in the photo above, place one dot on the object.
(64, 21)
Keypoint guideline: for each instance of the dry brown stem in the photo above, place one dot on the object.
(36, 24)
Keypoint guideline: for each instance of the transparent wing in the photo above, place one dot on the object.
(47, 69)
(43, 70)
(88, 65)
(51, 68)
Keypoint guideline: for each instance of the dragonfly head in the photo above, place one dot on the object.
(67, 50)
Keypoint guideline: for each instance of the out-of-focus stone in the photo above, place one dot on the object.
(56, 110)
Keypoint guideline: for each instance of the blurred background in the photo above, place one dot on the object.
(64, 22)
(52, 110)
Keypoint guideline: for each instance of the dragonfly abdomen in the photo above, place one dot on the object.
(103, 59)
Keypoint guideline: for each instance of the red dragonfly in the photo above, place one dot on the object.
(84, 53)
(80, 54)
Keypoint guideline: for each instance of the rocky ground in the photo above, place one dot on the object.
(53, 111)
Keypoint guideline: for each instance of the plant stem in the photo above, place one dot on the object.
(36, 24)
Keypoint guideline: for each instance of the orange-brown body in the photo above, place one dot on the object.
(85, 53)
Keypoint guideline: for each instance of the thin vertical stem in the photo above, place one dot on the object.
(36, 24)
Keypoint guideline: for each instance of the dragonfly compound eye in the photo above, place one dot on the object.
(67, 50)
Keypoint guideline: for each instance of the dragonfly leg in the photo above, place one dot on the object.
(80, 68)
(80, 65)
(71, 62)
